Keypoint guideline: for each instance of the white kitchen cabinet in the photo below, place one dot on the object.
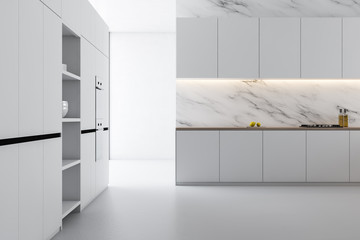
(102, 72)
(9, 24)
(31, 190)
(354, 156)
(54, 5)
(88, 21)
(52, 187)
(9, 185)
(88, 73)
(351, 48)
(284, 156)
(197, 48)
(328, 156)
(71, 15)
(102, 35)
(31, 67)
(197, 156)
(52, 72)
(88, 172)
(279, 47)
(240, 156)
(321, 48)
(102, 164)
(238, 47)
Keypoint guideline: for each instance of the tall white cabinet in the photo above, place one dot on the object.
(34, 179)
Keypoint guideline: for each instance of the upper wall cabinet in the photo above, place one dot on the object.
(280, 48)
(71, 12)
(102, 36)
(351, 48)
(31, 67)
(238, 47)
(88, 22)
(54, 5)
(9, 58)
(321, 48)
(197, 48)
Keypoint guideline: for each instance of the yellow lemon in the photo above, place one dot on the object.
(252, 124)
(258, 124)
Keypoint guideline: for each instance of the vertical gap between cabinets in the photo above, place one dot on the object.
(219, 155)
(18, 103)
(306, 157)
(262, 156)
(259, 37)
(342, 47)
(349, 158)
(217, 47)
(300, 47)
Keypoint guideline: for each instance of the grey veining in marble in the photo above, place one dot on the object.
(269, 8)
(287, 103)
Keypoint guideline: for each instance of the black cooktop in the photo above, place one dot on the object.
(320, 126)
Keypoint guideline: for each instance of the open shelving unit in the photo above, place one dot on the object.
(71, 128)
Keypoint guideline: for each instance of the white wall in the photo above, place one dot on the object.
(142, 96)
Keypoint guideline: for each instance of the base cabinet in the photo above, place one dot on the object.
(354, 156)
(240, 156)
(9, 185)
(328, 156)
(102, 164)
(52, 187)
(284, 156)
(197, 156)
(31, 191)
(88, 171)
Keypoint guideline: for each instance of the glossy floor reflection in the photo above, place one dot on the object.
(143, 203)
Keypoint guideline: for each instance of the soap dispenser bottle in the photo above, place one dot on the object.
(346, 118)
(341, 118)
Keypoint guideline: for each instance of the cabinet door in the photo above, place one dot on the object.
(88, 72)
(9, 185)
(52, 187)
(88, 21)
(87, 169)
(102, 35)
(321, 48)
(52, 72)
(9, 62)
(102, 166)
(197, 156)
(354, 156)
(31, 67)
(238, 47)
(102, 71)
(31, 190)
(327, 156)
(284, 156)
(196, 47)
(351, 48)
(280, 48)
(71, 15)
(240, 156)
(54, 5)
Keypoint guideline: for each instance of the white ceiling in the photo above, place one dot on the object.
(138, 15)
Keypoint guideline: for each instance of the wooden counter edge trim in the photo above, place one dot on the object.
(265, 129)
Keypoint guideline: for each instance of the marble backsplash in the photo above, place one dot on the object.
(268, 8)
(274, 103)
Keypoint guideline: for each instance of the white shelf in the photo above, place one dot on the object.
(71, 119)
(70, 76)
(68, 207)
(69, 163)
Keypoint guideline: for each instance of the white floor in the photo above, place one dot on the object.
(143, 203)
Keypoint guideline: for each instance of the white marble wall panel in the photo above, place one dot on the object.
(274, 103)
(268, 8)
